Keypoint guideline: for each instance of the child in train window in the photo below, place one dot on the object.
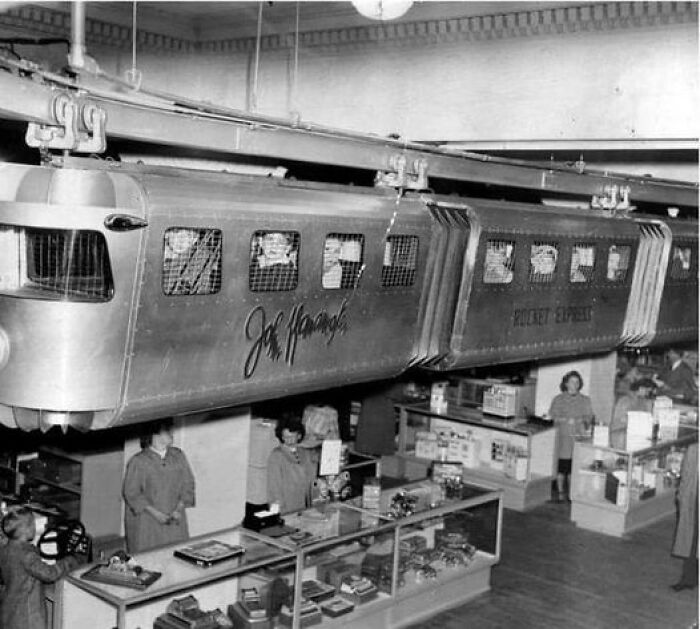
(342, 261)
(618, 262)
(680, 263)
(498, 265)
(273, 262)
(191, 261)
(399, 267)
(582, 259)
(543, 262)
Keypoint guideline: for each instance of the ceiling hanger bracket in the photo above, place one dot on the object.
(77, 126)
(400, 176)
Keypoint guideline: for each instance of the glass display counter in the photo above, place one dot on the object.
(338, 564)
(514, 455)
(86, 603)
(614, 491)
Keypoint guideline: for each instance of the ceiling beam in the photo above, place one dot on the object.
(180, 122)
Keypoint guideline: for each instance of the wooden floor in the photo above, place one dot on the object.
(555, 575)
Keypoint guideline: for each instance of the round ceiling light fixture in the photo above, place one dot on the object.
(382, 9)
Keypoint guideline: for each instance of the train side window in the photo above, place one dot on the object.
(582, 263)
(400, 258)
(543, 262)
(191, 261)
(618, 263)
(498, 262)
(343, 255)
(273, 261)
(681, 260)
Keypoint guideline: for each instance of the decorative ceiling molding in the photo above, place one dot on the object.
(593, 17)
(590, 17)
(39, 19)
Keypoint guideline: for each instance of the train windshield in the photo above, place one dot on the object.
(64, 264)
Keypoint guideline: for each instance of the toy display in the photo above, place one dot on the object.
(208, 553)
(121, 570)
(184, 613)
(337, 607)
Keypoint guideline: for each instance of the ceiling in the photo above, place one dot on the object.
(232, 19)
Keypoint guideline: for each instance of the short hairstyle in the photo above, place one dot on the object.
(567, 376)
(17, 521)
(291, 422)
(642, 382)
(153, 428)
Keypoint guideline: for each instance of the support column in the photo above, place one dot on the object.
(598, 375)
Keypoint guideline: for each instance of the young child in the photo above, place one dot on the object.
(23, 573)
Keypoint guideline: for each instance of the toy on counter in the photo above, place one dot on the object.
(402, 504)
(309, 614)
(184, 613)
(120, 569)
(337, 607)
(358, 589)
(249, 611)
(316, 591)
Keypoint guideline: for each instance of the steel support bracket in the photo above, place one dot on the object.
(614, 198)
(398, 175)
(79, 127)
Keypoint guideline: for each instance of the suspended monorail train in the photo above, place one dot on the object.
(131, 292)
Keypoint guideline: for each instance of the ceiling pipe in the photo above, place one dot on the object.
(76, 55)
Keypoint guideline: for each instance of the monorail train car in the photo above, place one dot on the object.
(130, 292)
(526, 282)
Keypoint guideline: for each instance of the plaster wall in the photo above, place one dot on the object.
(627, 84)
(622, 83)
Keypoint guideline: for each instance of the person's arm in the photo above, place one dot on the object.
(44, 572)
(187, 487)
(275, 479)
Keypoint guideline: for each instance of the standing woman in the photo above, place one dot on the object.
(158, 487)
(572, 414)
(290, 469)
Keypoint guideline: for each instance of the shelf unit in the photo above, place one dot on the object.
(537, 441)
(85, 484)
(341, 539)
(601, 502)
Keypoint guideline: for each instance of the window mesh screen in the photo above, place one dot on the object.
(192, 261)
(273, 261)
(343, 256)
(69, 263)
(681, 259)
(618, 263)
(543, 262)
(582, 263)
(498, 262)
(400, 256)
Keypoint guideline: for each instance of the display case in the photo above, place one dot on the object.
(616, 491)
(425, 548)
(263, 565)
(514, 455)
(86, 485)
(336, 564)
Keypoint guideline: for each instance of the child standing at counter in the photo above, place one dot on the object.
(23, 573)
